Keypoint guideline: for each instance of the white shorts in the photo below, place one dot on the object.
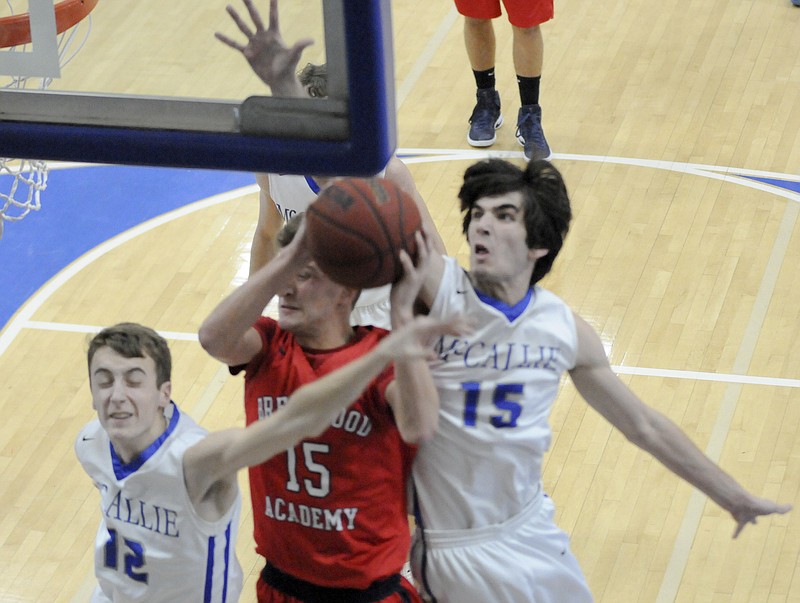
(376, 315)
(526, 559)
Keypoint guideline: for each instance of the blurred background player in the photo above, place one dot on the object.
(525, 17)
(283, 196)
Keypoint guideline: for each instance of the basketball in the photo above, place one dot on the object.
(356, 228)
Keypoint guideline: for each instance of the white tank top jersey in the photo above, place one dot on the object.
(497, 386)
(151, 545)
(292, 195)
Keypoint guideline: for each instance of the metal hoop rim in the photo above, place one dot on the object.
(15, 30)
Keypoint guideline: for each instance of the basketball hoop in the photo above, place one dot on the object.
(29, 176)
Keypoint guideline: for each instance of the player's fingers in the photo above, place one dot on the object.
(423, 248)
(243, 27)
(405, 260)
(227, 41)
(454, 325)
(274, 22)
(254, 15)
(297, 50)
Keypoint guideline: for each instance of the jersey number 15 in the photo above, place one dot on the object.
(501, 400)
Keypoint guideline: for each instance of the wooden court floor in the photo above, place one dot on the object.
(677, 127)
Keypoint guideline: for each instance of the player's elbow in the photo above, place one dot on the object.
(419, 432)
(212, 340)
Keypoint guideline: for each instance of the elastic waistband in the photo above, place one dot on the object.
(439, 539)
(313, 593)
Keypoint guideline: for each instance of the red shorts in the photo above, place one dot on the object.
(267, 594)
(521, 13)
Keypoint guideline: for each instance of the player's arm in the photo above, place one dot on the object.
(270, 221)
(398, 172)
(228, 334)
(653, 432)
(210, 466)
(412, 395)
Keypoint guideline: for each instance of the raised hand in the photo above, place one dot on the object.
(405, 291)
(269, 56)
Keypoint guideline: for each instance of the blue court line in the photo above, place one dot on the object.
(787, 184)
(84, 206)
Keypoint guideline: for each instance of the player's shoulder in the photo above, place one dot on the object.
(91, 442)
(90, 432)
(544, 299)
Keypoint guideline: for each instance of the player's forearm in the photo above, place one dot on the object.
(239, 311)
(309, 410)
(417, 413)
(262, 252)
(670, 445)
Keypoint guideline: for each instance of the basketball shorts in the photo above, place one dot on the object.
(521, 13)
(274, 586)
(373, 308)
(525, 559)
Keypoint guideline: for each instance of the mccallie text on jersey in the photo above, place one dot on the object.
(141, 513)
(498, 356)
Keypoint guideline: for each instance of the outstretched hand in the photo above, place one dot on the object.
(754, 508)
(269, 56)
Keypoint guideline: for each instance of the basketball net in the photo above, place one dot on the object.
(22, 180)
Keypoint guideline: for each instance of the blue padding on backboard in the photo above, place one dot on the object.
(372, 119)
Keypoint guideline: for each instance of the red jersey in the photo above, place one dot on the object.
(331, 510)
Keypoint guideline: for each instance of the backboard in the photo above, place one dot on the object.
(152, 86)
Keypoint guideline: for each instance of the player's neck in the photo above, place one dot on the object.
(129, 449)
(328, 338)
(509, 292)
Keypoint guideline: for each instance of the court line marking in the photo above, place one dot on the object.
(24, 314)
(621, 370)
(673, 575)
(425, 57)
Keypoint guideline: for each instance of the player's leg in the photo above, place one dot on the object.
(526, 17)
(480, 43)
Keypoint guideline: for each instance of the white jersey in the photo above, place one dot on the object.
(151, 545)
(496, 386)
(292, 195)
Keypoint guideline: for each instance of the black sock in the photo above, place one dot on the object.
(528, 90)
(484, 79)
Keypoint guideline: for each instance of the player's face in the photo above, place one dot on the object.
(496, 234)
(309, 303)
(128, 402)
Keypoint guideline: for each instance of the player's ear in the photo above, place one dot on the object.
(348, 296)
(165, 392)
(535, 254)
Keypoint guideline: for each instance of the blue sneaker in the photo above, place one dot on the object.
(796, 2)
(485, 119)
(530, 134)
